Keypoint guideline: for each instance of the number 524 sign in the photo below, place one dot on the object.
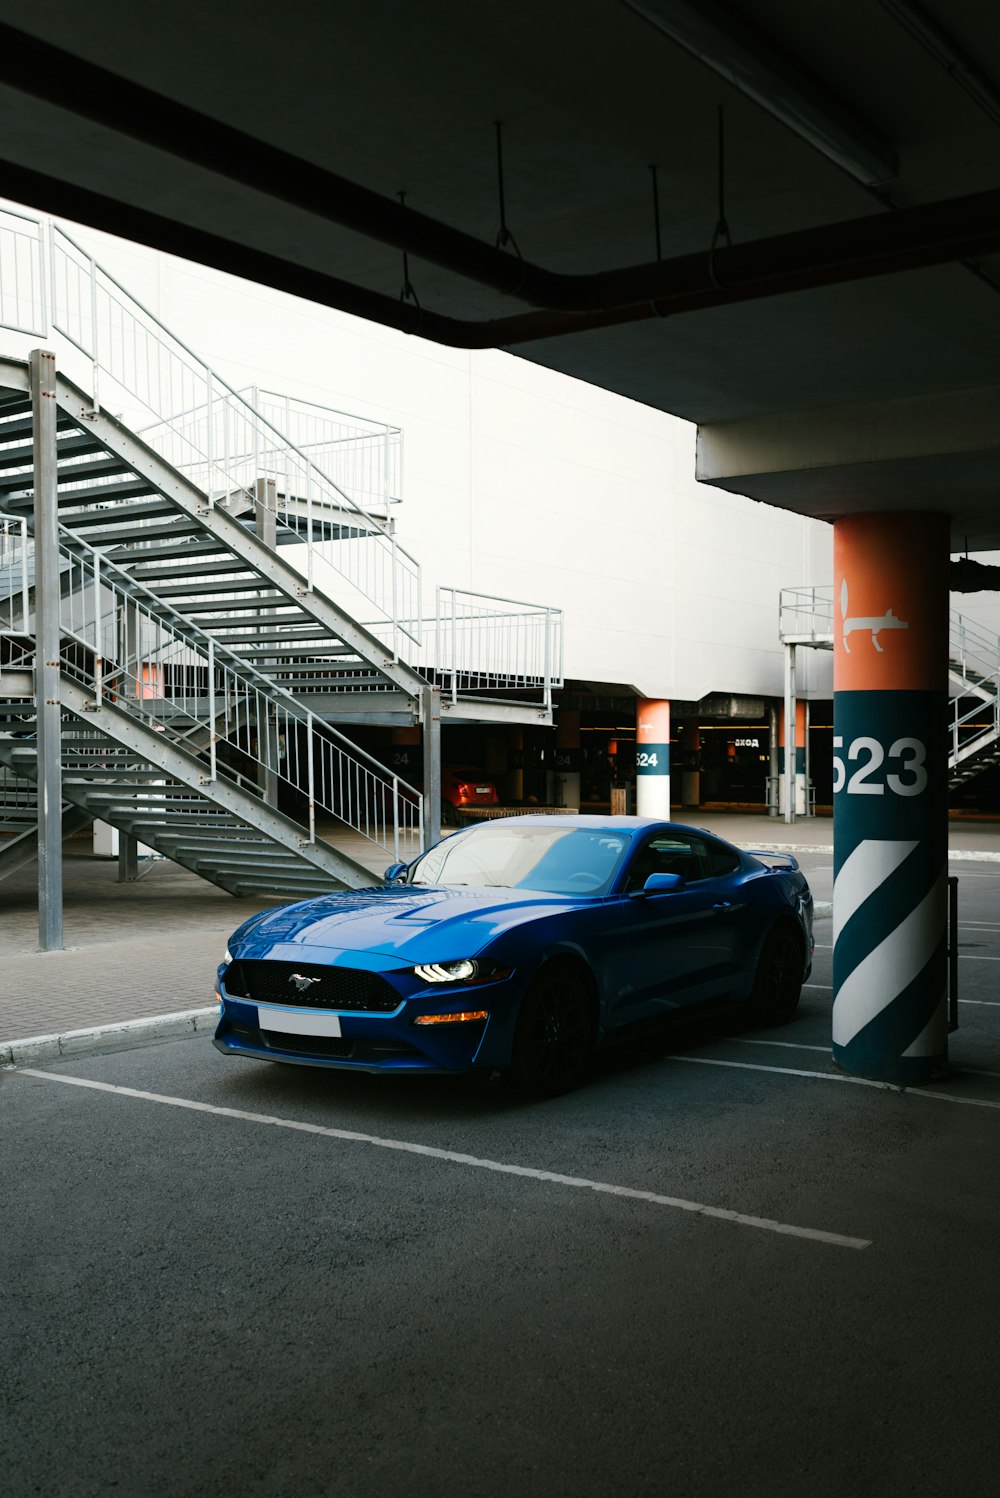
(900, 769)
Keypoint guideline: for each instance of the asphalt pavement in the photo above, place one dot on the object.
(721, 1266)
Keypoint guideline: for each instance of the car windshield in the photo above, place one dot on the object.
(556, 860)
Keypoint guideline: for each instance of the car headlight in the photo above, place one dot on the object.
(462, 970)
(227, 957)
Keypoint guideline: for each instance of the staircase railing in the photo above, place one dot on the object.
(480, 643)
(136, 652)
(807, 614)
(23, 302)
(202, 426)
(17, 574)
(362, 457)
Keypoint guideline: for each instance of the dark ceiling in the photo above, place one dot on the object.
(859, 110)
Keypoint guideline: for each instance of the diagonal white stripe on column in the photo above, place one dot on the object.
(891, 967)
(868, 866)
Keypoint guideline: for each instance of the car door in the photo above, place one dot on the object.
(666, 950)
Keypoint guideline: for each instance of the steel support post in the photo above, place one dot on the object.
(47, 604)
(128, 858)
(788, 774)
(430, 712)
(265, 511)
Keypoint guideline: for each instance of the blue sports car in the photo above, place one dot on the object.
(521, 945)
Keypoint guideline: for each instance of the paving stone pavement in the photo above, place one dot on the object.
(137, 950)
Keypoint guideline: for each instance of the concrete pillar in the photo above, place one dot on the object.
(890, 785)
(568, 759)
(652, 758)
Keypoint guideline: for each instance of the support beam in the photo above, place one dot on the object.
(265, 512)
(788, 772)
(47, 604)
(431, 716)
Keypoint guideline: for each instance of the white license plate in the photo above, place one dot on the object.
(482, 790)
(294, 1022)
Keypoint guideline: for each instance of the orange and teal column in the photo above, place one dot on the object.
(890, 795)
(652, 758)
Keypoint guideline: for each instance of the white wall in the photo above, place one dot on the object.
(528, 484)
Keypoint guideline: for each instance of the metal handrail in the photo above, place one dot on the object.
(973, 653)
(15, 557)
(221, 442)
(134, 650)
(363, 457)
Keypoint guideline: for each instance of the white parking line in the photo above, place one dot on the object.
(839, 1240)
(786, 1045)
(836, 1076)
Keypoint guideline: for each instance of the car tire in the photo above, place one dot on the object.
(449, 814)
(555, 1033)
(777, 982)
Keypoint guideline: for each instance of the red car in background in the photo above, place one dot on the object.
(463, 788)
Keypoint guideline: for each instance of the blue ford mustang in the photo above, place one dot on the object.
(520, 944)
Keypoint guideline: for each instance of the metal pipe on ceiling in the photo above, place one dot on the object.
(46, 72)
(913, 238)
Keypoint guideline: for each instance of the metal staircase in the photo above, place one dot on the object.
(213, 580)
(174, 739)
(807, 618)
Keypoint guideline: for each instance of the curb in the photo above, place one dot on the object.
(106, 1037)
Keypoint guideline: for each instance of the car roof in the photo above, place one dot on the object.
(598, 823)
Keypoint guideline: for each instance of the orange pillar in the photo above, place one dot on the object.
(652, 758)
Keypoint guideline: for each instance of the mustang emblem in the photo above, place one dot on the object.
(302, 982)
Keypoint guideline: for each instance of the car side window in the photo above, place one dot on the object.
(721, 860)
(674, 853)
(682, 853)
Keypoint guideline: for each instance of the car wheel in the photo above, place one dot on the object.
(449, 814)
(555, 1033)
(777, 982)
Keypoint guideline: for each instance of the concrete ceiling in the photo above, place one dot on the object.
(404, 97)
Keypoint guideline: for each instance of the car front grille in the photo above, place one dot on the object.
(336, 1048)
(264, 982)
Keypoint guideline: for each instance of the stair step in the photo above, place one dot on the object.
(191, 591)
(236, 633)
(130, 488)
(187, 551)
(260, 600)
(121, 533)
(66, 447)
(102, 515)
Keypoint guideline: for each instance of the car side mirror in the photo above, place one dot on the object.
(393, 872)
(660, 884)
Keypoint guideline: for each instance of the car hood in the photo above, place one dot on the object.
(410, 923)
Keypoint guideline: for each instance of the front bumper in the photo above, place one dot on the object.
(380, 1041)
